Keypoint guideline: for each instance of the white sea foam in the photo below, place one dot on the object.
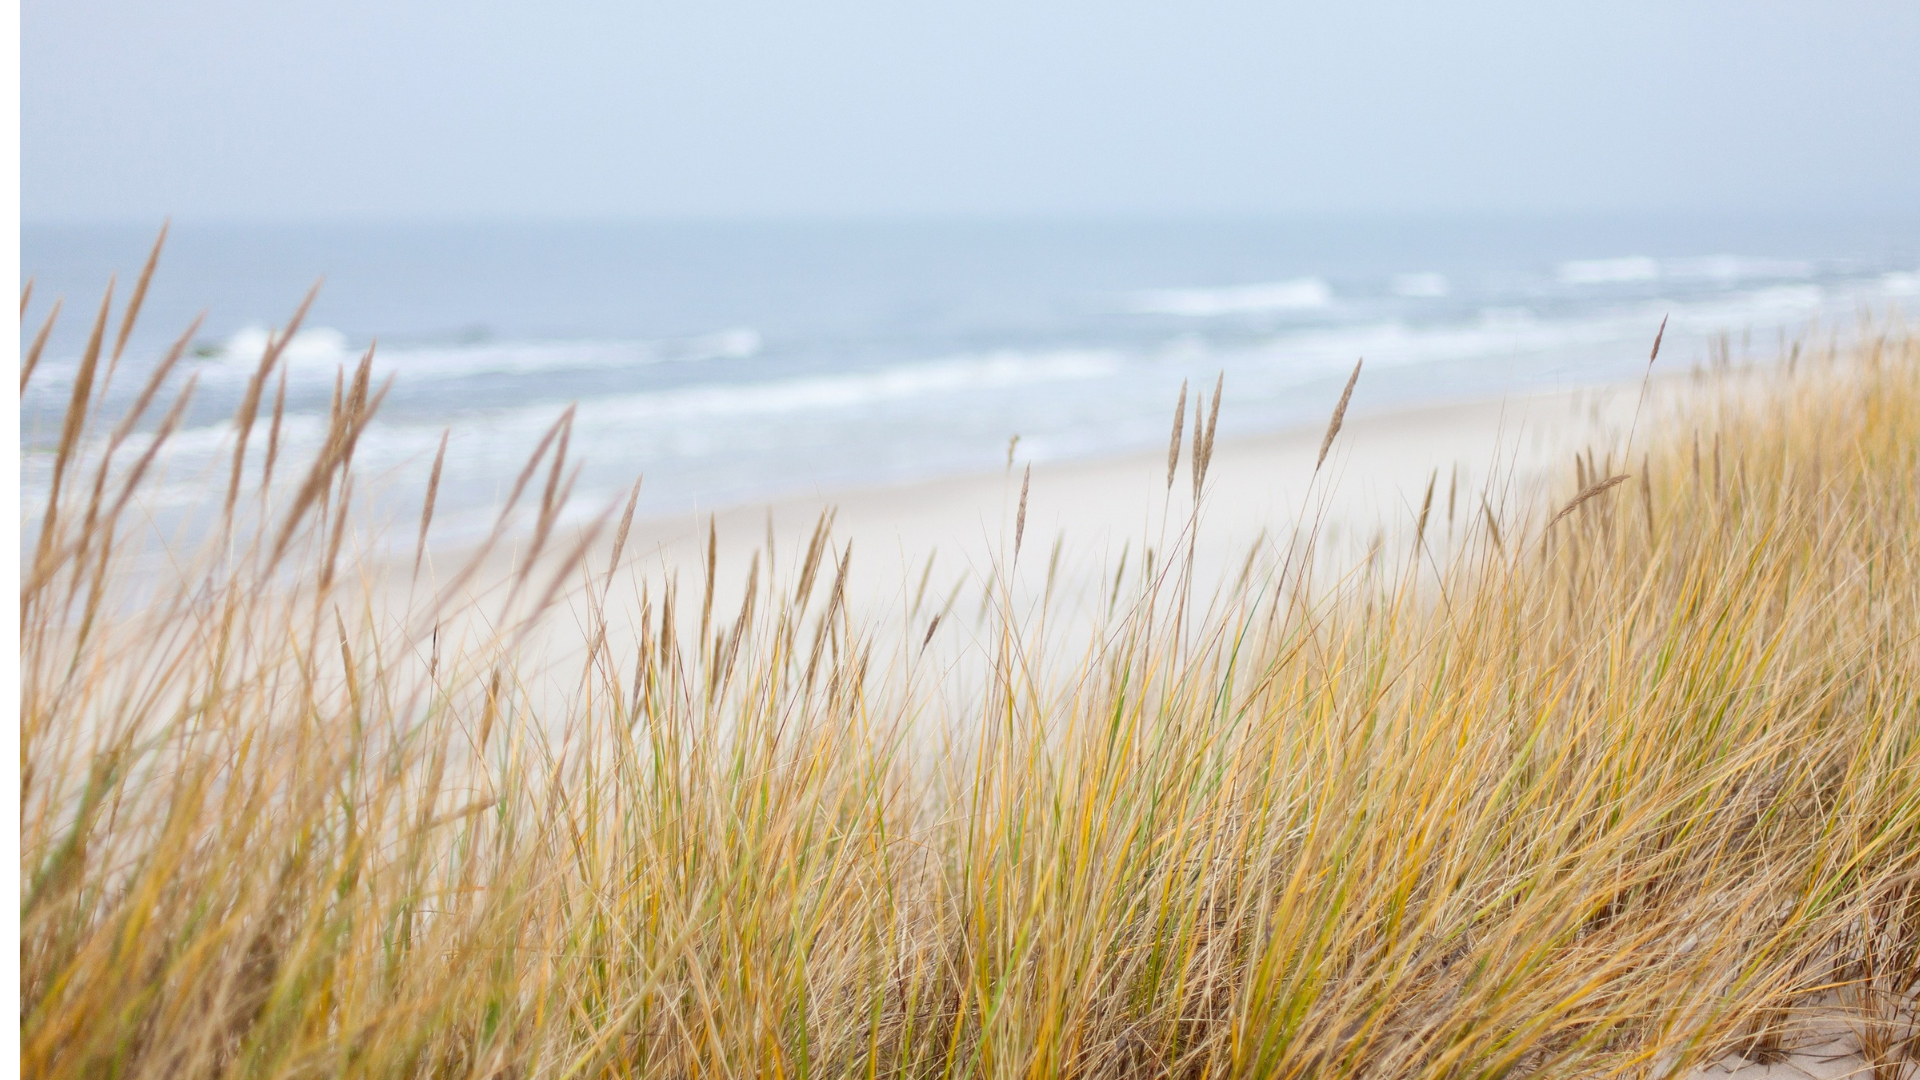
(1420, 285)
(1731, 268)
(314, 355)
(1775, 305)
(1901, 284)
(1727, 269)
(1321, 353)
(959, 375)
(1630, 268)
(1298, 294)
(248, 344)
(505, 433)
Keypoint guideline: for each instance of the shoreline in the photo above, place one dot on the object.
(1084, 519)
(1374, 477)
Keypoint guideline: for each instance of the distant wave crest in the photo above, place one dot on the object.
(1642, 268)
(315, 354)
(1295, 295)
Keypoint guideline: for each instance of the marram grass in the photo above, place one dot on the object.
(1606, 797)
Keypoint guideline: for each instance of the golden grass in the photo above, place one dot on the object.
(1609, 802)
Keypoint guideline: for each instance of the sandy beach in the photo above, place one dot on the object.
(1258, 490)
(942, 547)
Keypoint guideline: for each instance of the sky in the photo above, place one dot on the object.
(322, 109)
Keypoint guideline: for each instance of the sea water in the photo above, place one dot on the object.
(732, 362)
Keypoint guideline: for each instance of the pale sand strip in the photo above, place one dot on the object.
(1373, 480)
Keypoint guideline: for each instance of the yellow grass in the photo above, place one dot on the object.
(1609, 797)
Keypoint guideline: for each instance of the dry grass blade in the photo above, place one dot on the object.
(154, 381)
(823, 633)
(38, 347)
(360, 402)
(81, 399)
(559, 491)
(125, 428)
(168, 424)
(500, 521)
(920, 591)
(561, 426)
(1173, 447)
(1020, 517)
(724, 669)
(572, 560)
(713, 569)
(1213, 418)
(46, 567)
(273, 439)
(426, 508)
(78, 406)
(1591, 491)
(1426, 506)
(256, 386)
(549, 495)
(1646, 498)
(139, 298)
(335, 454)
(1339, 415)
(1646, 380)
(620, 535)
(810, 563)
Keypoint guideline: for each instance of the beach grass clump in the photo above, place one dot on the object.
(1613, 784)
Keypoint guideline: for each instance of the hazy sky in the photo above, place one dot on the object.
(317, 108)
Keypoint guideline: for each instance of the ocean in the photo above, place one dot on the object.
(731, 362)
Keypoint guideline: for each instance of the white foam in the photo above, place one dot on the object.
(1901, 284)
(1321, 353)
(1420, 285)
(1775, 305)
(507, 432)
(315, 343)
(1729, 268)
(959, 375)
(738, 343)
(1630, 268)
(313, 356)
(1298, 294)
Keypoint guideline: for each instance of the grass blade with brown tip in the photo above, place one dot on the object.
(426, 508)
(1173, 447)
(1339, 415)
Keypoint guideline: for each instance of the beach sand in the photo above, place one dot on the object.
(1258, 490)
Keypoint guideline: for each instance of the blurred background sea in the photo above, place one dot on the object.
(734, 361)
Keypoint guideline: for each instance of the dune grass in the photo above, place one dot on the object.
(1607, 796)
